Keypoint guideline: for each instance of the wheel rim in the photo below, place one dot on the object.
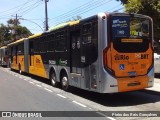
(53, 78)
(64, 81)
(20, 71)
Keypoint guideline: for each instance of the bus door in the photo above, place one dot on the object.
(11, 55)
(16, 53)
(75, 52)
(89, 54)
(31, 52)
(0, 57)
(26, 55)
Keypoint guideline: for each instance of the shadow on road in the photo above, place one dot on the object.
(157, 75)
(112, 100)
(120, 99)
(116, 99)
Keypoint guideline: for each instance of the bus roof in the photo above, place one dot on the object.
(18, 41)
(35, 35)
(70, 23)
(3, 47)
(131, 14)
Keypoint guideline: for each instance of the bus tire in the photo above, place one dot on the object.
(20, 71)
(53, 81)
(64, 82)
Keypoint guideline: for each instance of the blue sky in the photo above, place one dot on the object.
(58, 11)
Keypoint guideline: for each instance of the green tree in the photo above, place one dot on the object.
(4, 33)
(146, 7)
(17, 29)
(12, 31)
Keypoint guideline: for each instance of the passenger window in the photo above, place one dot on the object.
(60, 41)
(87, 30)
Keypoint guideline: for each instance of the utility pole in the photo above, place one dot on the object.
(15, 25)
(46, 15)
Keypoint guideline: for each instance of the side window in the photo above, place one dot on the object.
(90, 33)
(86, 32)
(14, 50)
(31, 49)
(51, 43)
(60, 41)
(20, 49)
(95, 33)
(11, 54)
(43, 44)
(9, 50)
(6, 51)
(36, 46)
(90, 41)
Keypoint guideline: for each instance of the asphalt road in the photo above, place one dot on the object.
(20, 93)
(31, 93)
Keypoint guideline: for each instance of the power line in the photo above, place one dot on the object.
(16, 11)
(84, 10)
(73, 9)
(31, 22)
(89, 10)
(95, 7)
(90, 6)
(28, 1)
(118, 9)
(114, 7)
(30, 9)
(14, 7)
(81, 8)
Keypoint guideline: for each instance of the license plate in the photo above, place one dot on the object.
(134, 84)
(132, 73)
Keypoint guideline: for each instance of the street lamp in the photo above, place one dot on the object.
(32, 22)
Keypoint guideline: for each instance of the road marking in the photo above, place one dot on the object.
(25, 79)
(111, 118)
(79, 103)
(31, 82)
(20, 77)
(101, 114)
(48, 89)
(61, 96)
(38, 85)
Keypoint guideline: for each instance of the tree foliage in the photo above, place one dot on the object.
(146, 7)
(12, 31)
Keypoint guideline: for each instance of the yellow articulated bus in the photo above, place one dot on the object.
(16, 55)
(104, 53)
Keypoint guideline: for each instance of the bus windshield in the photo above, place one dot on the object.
(139, 28)
(129, 27)
(130, 32)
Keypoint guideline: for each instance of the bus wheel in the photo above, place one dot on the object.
(53, 81)
(20, 71)
(64, 82)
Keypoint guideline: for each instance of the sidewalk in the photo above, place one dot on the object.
(156, 86)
